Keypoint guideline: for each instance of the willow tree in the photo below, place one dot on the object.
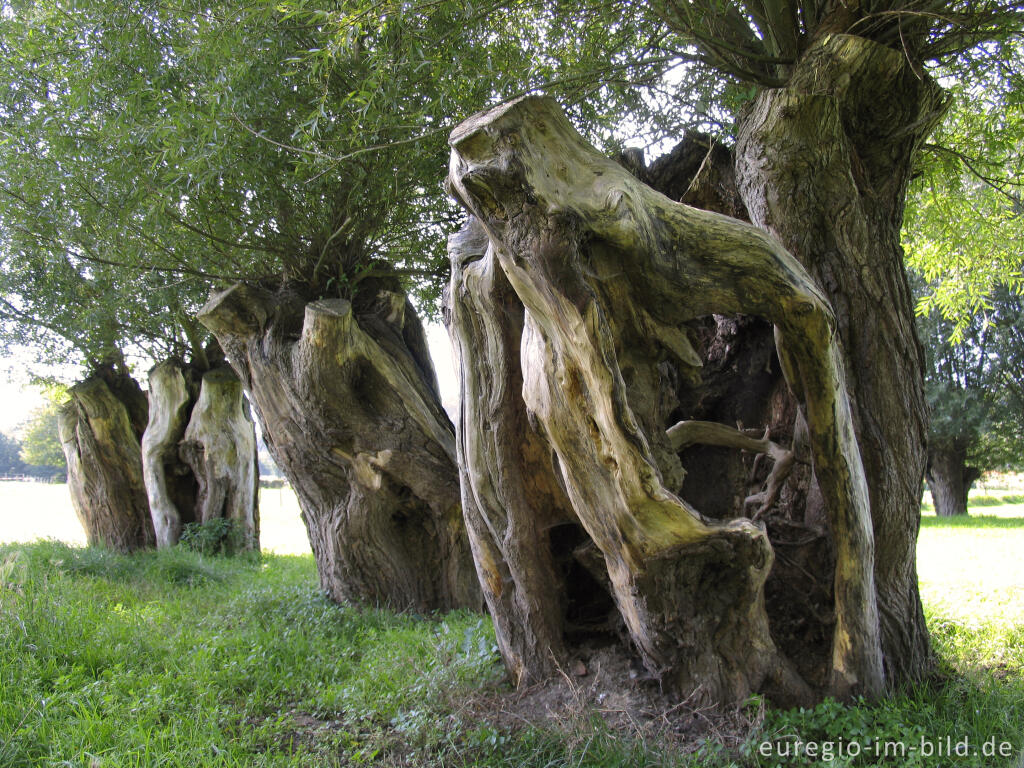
(288, 158)
(975, 388)
(576, 302)
(965, 218)
(88, 276)
(842, 101)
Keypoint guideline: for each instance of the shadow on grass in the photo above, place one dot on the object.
(979, 522)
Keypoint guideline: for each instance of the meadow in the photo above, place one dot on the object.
(179, 659)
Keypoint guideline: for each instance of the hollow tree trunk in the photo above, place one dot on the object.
(199, 451)
(219, 445)
(949, 477)
(823, 164)
(607, 271)
(740, 382)
(100, 428)
(348, 400)
(170, 483)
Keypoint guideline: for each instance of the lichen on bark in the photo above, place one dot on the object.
(606, 273)
(348, 399)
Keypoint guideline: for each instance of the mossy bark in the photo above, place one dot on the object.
(607, 273)
(347, 396)
(100, 429)
(219, 445)
(823, 165)
(199, 452)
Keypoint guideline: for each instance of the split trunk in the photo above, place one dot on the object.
(199, 452)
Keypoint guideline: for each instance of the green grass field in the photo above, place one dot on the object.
(174, 659)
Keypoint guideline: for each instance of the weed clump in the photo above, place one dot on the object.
(219, 536)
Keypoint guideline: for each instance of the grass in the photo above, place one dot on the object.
(176, 659)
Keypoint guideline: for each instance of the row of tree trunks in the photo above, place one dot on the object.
(100, 428)
(139, 469)
(199, 452)
(823, 164)
(346, 393)
(605, 273)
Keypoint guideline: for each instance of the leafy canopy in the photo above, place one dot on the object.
(965, 215)
(975, 386)
(151, 151)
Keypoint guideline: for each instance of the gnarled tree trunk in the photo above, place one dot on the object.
(219, 445)
(823, 164)
(346, 394)
(607, 272)
(170, 483)
(100, 428)
(949, 477)
(199, 451)
(740, 383)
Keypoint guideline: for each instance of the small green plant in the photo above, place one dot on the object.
(12, 570)
(219, 536)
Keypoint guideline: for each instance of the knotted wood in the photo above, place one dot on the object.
(347, 396)
(607, 272)
(199, 452)
(100, 428)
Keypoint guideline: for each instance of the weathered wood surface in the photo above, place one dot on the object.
(219, 445)
(100, 428)
(607, 271)
(170, 484)
(823, 164)
(199, 452)
(348, 399)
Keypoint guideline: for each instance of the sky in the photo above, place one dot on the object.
(16, 403)
(444, 364)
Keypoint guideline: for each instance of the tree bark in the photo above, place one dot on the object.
(219, 445)
(100, 428)
(346, 394)
(520, 522)
(170, 483)
(949, 477)
(199, 452)
(823, 164)
(740, 383)
(607, 272)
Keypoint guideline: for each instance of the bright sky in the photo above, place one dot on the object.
(444, 364)
(16, 403)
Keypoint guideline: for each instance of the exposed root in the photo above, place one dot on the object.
(687, 433)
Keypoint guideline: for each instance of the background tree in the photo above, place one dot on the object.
(10, 455)
(88, 274)
(965, 212)
(40, 443)
(973, 388)
(963, 232)
(190, 157)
